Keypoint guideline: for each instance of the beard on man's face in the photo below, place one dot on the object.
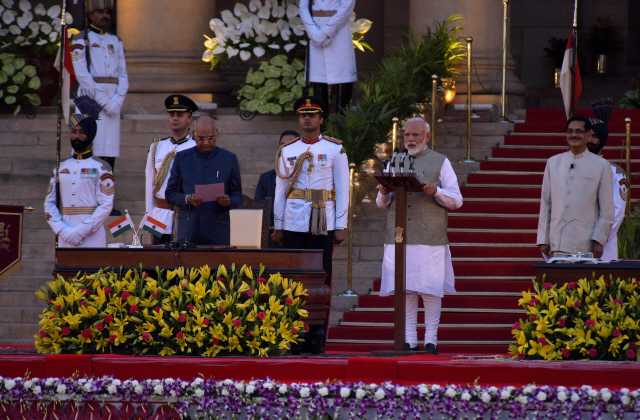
(80, 145)
(594, 148)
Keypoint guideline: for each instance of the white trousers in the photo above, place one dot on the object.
(432, 307)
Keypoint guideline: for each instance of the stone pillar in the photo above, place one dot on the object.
(482, 20)
(164, 42)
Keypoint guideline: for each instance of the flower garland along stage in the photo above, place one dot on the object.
(267, 399)
(232, 313)
(590, 319)
(270, 30)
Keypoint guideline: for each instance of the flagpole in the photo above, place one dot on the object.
(136, 238)
(575, 58)
(63, 46)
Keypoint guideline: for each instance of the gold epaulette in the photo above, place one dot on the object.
(77, 37)
(332, 140)
(157, 140)
(291, 142)
(105, 165)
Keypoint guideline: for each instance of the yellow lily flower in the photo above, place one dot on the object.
(234, 343)
(167, 352)
(243, 287)
(222, 272)
(275, 305)
(205, 272)
(248, 272)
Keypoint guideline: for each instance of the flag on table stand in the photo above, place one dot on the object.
(152, 225)
(68, 76)
(120, 226)
(565, 78)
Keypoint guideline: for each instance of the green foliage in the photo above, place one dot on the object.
(400, 81)
(274, 86)
(18, 82)
(631, 98)
(602, 36)
(629, 236)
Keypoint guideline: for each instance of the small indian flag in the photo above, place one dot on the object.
(153, 226)
(120, 226)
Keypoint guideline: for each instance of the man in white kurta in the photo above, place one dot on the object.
(576, 205)
(429, 270)
(332, 58)
(160, 160)
(86, 191)
(598, 136)
(103, 76)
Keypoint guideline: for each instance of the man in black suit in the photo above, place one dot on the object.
(267, 183)
(204, 223)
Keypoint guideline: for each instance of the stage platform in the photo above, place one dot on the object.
(488, 370)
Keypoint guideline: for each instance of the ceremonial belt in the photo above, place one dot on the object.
(111, 80)
(323, 13)
(314, 196)
(78, 210)
(161, 203)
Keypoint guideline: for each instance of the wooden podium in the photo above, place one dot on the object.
(400, 183)
(298, 264)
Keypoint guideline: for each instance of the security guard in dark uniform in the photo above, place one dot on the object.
(312, 191)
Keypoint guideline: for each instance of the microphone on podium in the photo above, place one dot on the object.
(411, 159)
(392, 164)
(404, 155)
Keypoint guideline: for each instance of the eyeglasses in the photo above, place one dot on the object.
(579, 132)
(203, 139)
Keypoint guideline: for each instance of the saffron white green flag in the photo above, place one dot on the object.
(152, 226)
(120, 226)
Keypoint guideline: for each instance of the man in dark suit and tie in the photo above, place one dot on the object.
(267, 183)
(204, 223)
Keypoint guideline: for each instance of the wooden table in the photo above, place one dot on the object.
(558, 273)
(298, 264)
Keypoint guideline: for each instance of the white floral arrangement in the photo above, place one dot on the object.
(266, 399)
(268, 29)
(252, 31)
(26, 25)
(25, 31)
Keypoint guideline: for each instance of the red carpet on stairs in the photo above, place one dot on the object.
(492, 239)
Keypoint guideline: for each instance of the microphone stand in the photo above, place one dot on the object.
(402, 158)
(411, 159)
(186, 244)
(392, 163)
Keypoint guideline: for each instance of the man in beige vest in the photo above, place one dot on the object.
(576, 206)
(429, 267)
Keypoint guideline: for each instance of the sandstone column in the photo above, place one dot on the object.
(483, 20)
(164, 42)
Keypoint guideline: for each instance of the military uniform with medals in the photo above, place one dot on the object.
(87, 187)
(159, 162)
(105, 80)
(312, 191)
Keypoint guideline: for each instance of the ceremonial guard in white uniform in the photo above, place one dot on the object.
(332, 58)
(99, 66)
(429, 269)
(86, 188)
(599, 135)
(312, 191)
(160, 159)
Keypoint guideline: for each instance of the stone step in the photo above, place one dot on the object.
(18, 333)
(20, 315)
(25, 299)
(24, 282)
